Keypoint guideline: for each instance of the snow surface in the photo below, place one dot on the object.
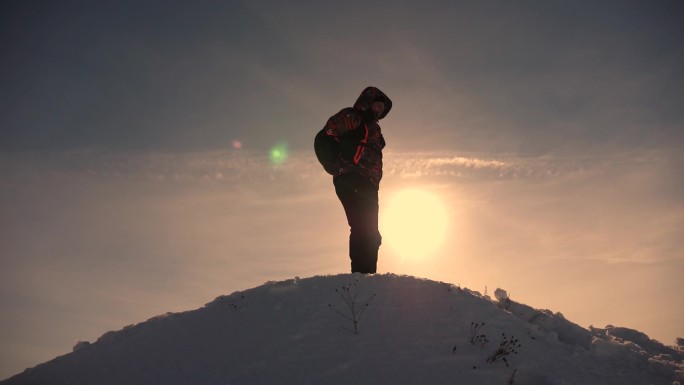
(410, 331)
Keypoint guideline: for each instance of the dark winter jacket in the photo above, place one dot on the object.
(360, 135)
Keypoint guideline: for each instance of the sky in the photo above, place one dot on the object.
(136, 177)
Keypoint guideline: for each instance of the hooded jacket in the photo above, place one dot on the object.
(360, 136)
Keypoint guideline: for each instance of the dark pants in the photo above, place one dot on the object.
(359, 198)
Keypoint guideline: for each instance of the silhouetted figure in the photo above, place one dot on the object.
(357, 172)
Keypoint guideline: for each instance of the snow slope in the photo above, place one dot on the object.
(413, 331)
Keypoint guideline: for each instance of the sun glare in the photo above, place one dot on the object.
(413, 223)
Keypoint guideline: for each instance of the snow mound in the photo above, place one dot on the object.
(381, 329)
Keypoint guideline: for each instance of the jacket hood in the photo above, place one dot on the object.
(369, 95)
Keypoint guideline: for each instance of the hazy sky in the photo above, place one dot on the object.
(551, 131)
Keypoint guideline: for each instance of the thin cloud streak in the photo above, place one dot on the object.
(252, 168)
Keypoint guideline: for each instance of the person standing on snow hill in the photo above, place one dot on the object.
(357, 173)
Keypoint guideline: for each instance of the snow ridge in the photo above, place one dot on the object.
(302, 331)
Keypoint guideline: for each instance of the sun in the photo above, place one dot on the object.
(414, 223)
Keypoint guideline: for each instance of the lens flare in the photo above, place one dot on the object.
(279, 153)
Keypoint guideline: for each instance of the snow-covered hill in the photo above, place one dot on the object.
(408, 331)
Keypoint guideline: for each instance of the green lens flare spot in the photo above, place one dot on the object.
(279, 153)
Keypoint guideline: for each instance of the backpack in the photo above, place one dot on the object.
(327, 150)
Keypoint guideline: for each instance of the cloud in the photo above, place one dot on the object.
(414, 165)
